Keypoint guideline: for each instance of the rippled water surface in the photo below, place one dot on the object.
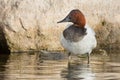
(54, 66)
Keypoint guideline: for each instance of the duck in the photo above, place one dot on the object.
(78, 38)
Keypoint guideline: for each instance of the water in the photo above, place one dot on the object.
(54, 66)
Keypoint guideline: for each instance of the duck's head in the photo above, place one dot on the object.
(76, 17)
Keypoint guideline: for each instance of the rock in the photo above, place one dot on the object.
(32, 24)
(3, 43)
(107, 34)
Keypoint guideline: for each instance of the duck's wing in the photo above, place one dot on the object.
(74, 34)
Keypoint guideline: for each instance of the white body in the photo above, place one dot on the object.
(83, 46)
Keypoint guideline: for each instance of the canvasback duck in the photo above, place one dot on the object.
(78, 38)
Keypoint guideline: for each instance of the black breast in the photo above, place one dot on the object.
(74, 34)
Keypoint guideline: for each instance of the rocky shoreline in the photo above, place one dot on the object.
(32, 25)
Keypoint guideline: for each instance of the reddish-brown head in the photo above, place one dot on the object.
(76, 17)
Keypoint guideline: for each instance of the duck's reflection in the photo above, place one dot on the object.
(78, 71)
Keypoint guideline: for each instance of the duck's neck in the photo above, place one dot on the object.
(79, 26)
